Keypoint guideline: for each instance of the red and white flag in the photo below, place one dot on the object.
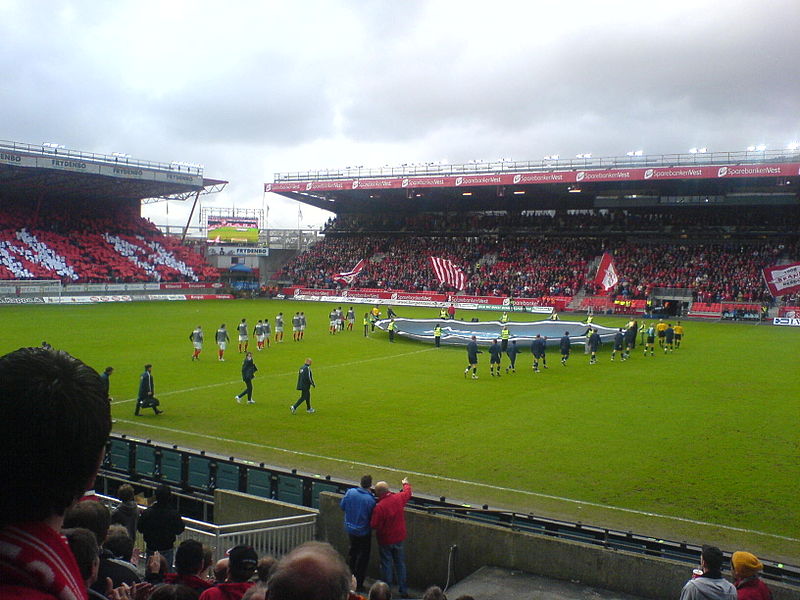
(448, 273)
(607, 275)
(783, 279)
(347, 277)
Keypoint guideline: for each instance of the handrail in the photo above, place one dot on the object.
(57, 150)
(546, 165)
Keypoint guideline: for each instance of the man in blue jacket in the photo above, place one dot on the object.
(538, 349)
(357, 505)
(495, 354)
(472, 358)
(593, 340)
(565, 344)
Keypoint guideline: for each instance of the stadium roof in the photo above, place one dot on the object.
(761, 177)
(57, 173)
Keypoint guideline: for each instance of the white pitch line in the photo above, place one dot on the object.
(464, 481)
(323, 368)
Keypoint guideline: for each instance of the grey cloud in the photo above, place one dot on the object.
(724, 65)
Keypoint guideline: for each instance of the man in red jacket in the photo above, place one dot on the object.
(389, 523)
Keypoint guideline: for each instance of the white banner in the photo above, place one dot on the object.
(786, 321)
(353, 299)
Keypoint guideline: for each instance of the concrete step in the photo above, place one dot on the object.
(494, 583)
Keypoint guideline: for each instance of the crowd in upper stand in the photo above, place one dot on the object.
(502, 255)
(87, 243)
(671, 221)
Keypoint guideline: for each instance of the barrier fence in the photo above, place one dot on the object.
(273, 537)
(194, 475)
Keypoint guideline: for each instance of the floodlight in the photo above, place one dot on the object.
(793, 146)
(751, 148)
(761, 147)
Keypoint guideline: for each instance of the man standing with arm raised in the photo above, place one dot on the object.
(389, 522)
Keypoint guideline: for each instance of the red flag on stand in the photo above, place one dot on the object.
(607, 276)
(347, 277)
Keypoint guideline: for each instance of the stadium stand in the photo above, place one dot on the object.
(90, 242)
(509, 257)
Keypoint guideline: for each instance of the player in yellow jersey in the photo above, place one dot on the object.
(678, 334)
(661, 329)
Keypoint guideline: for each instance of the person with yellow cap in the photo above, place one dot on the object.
(749, 586)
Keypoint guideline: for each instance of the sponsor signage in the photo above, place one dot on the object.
(786, 321)
(479, 300)
(250, 251)
(85, 165)
(539, 177)
(105, 299)
(188, 286)
(22, 300)
(209, 297)
(86, 299)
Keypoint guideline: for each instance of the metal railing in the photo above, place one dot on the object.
(273, 537)
(51, 150)
(506, 166)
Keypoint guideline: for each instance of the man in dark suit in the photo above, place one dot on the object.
(305, 381)
(146, 397)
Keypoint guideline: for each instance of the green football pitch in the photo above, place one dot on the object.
(699, 445)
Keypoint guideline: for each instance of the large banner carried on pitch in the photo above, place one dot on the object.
(783, 280)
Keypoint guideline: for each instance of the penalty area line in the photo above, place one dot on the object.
(463, 481)
(323, 368)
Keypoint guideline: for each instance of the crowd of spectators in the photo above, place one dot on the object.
(534, 266)
(520, 267)
(85, 243)
(730, 272)
(670, 221)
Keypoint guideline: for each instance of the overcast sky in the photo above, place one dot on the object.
(251, 88)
